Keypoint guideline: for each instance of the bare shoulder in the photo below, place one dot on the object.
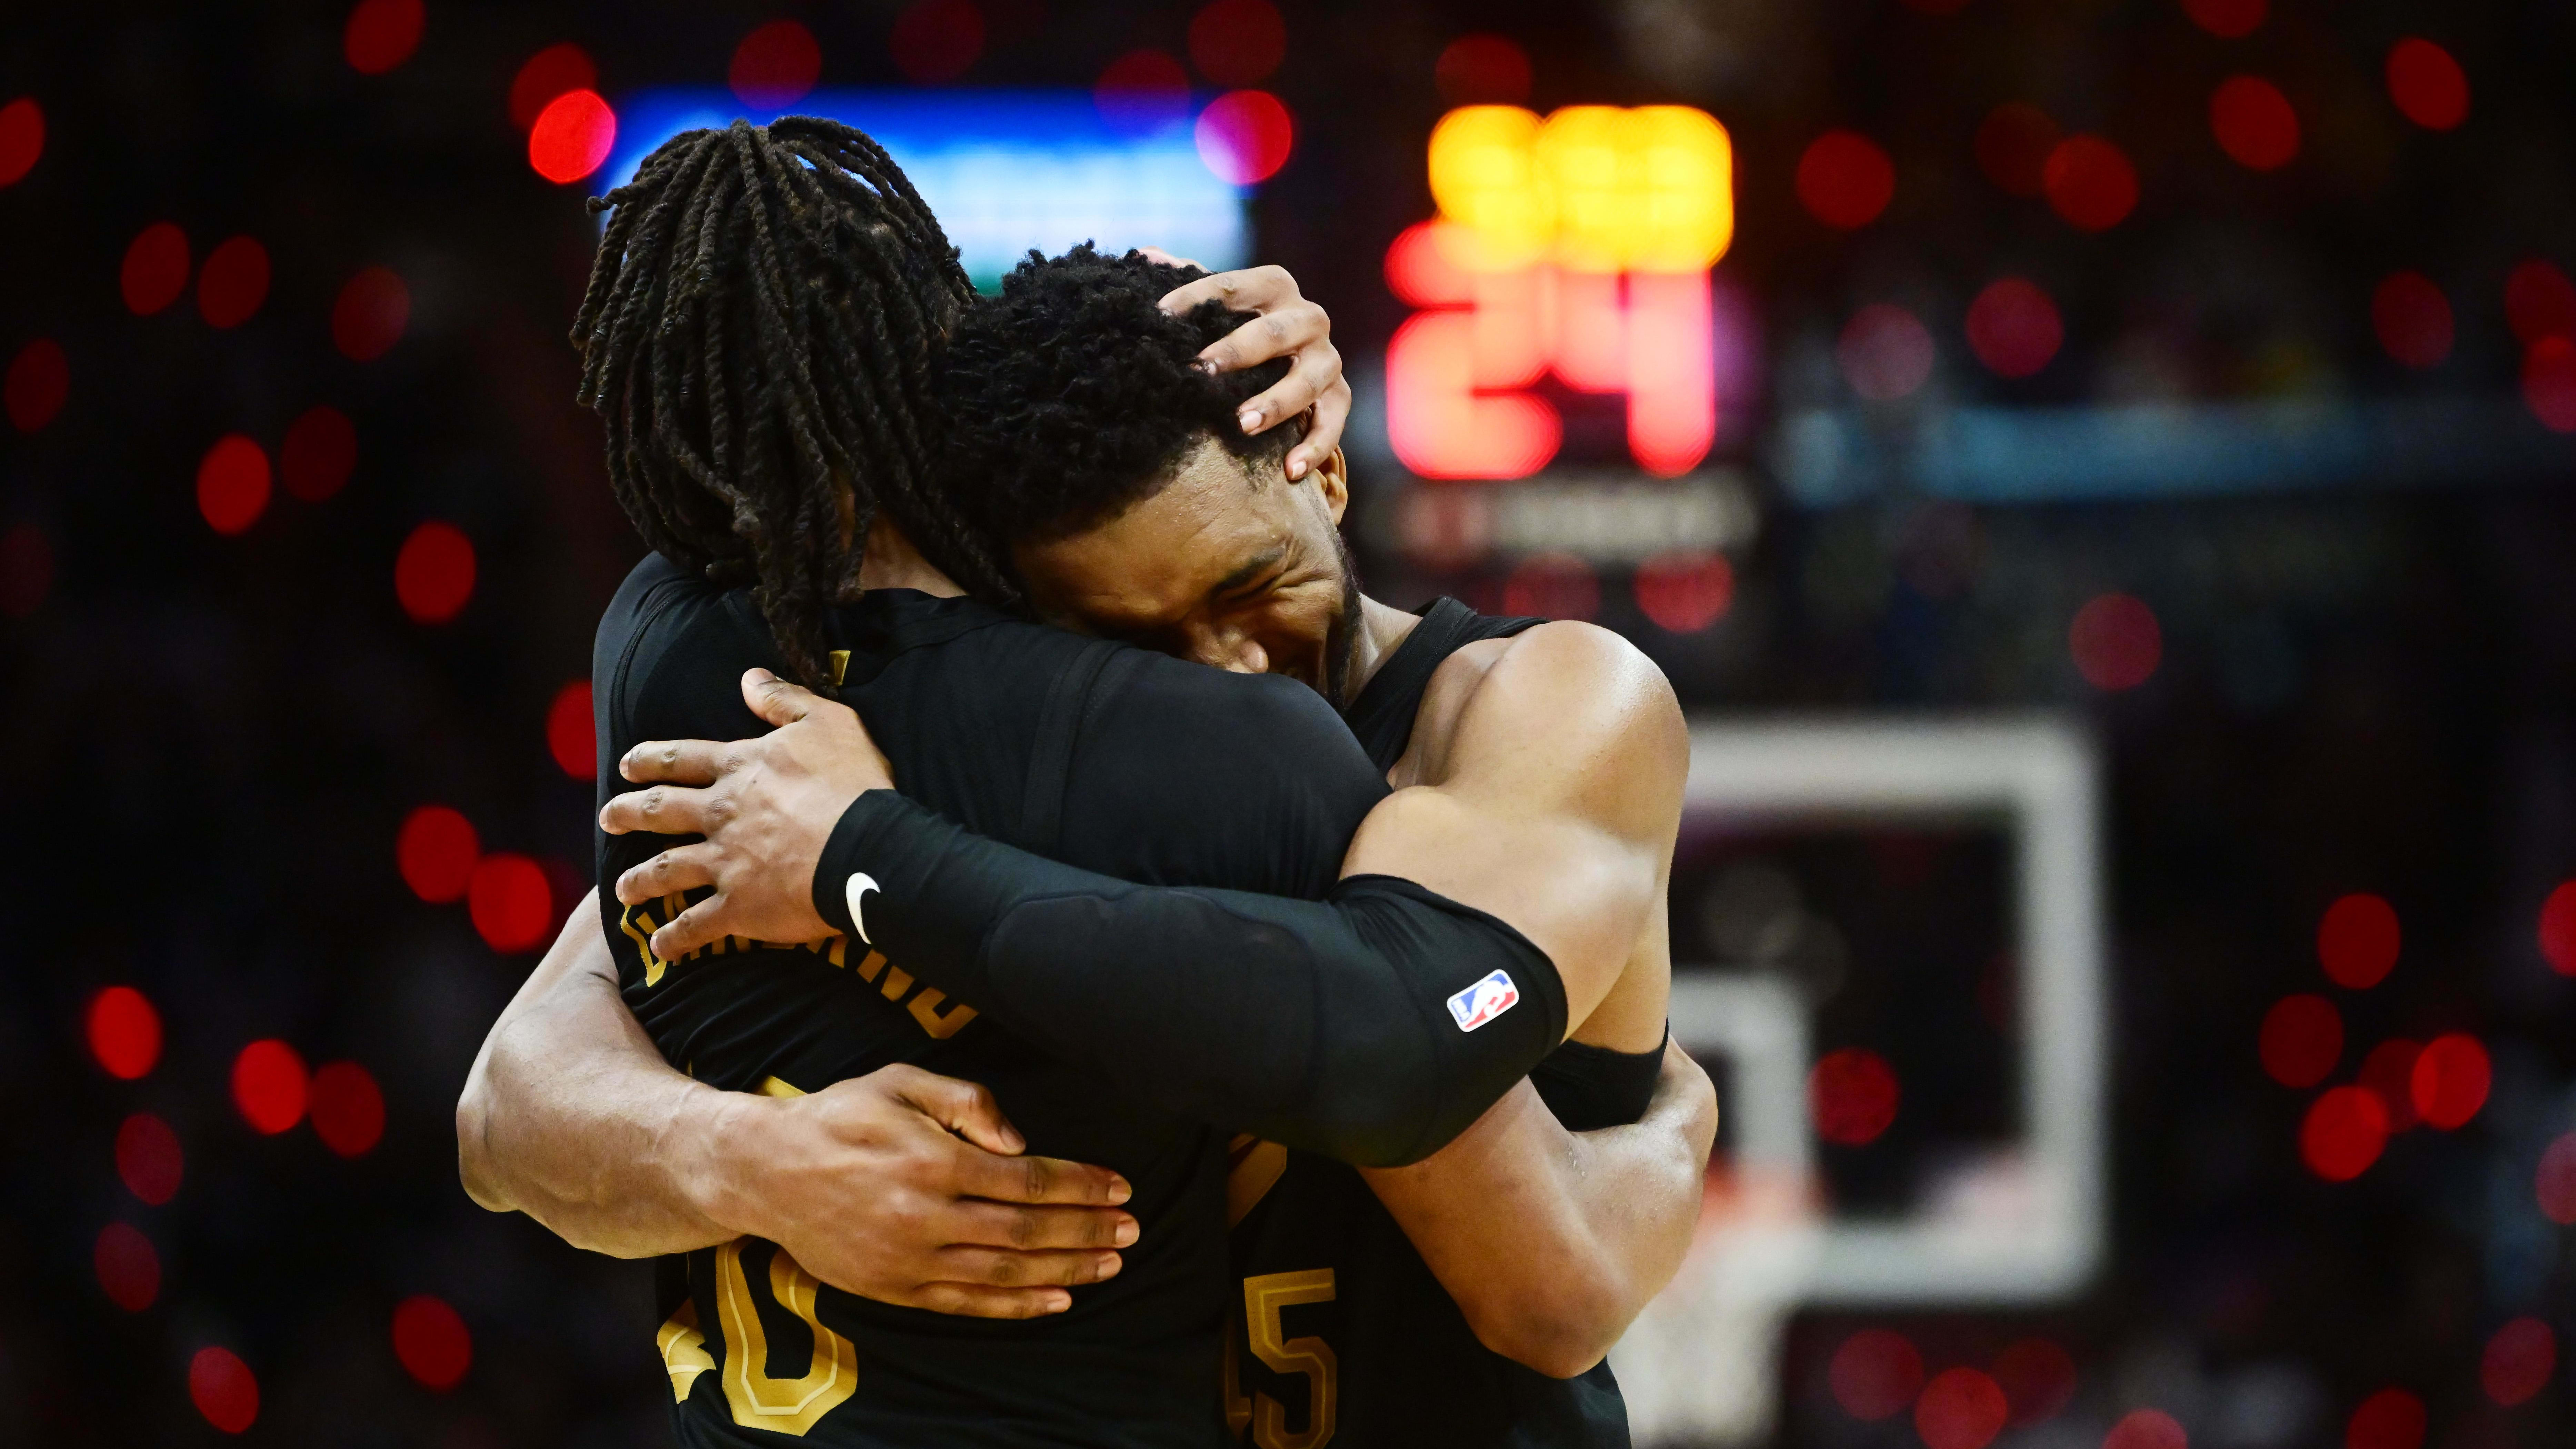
(1563, 704)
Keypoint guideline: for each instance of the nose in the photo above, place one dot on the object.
(1232, 652)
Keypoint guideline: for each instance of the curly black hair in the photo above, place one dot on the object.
(759, 335)
(1071, 396)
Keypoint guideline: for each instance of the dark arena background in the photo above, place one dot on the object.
(2101, 473)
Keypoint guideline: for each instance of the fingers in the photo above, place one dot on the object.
(1164, 258)
(1003, 1268)
(690, 929)
(774, 699)
(683, 867)
(674, 762)
(1324, 434)
(964, 1108)
(1282, 333)
(1037, 1180)
(1038, 1229)
(1250, 290)
(663, 810)
(967, 1300)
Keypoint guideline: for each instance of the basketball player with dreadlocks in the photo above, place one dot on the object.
(758, 337)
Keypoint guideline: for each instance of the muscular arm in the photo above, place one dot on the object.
(900, 1185)
(1552, 1241)
(1534, 848)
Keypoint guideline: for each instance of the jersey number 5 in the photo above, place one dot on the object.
(1264, 1299)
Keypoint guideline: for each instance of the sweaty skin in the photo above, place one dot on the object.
(1542, 785)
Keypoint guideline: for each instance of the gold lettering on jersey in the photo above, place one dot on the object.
(897, 982)
(684, 1351)
(870, 965)
(642, 935)
(1265, 1298)
(840, 666)
(758, 1400)
(778, 1087)
(925, 1009)
(1252, 1168)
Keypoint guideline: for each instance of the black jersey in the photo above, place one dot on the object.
(1344, 1336)
(1104, 756)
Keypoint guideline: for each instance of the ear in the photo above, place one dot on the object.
(1333, 477)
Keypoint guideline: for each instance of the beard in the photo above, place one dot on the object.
(1342, 640)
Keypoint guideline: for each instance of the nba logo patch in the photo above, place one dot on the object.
(1484, 1001)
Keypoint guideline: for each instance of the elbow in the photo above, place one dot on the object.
(474, 1148)
(1560, 1329)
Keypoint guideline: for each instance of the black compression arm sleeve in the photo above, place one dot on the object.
(1372, 1026)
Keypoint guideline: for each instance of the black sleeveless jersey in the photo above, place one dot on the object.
(1112, 758)
(1344, 1337)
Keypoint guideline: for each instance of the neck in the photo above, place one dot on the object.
(891, 562)
(1382, 630)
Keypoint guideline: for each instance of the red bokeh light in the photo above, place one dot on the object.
(39, 382)
(2301, 1041)
(2412, 318)
(2014, 327)
(128, 1268)
(1238, 42)
(572, 137)
(936, 40)
(348, 1109)
(2389, 1419)
(2254, 123)
(382, 34)
(2358, 940)
(511, 901)
(1142, 91)
(232, 484)
(148, 1159)
(2554, 1184)
(2450, 1079)
(1853, 1096)
(26, 570)
(155, 270)
(2539, 301)
(775, 65)
(2345, 1131)
(2518, 1361)
(2013, 144)
(2038, 1380)
(224, 1390)
(546, 75)
(2090, 183)
(2231, 19)
(2116, 642)
(436, 850)
(1885, 352)
(1845, 180)
(22, 138)
(1245, 136)
(2147, 1429)
(321, 449)
(1875, 1374)
(2427, 85)
(434, 573)
(1552, 586)
(1482, 70)
(270, 1086)
(124, 1032)
(369, 315)
(2549, 383)
(1685, 592)
(432, 1342)
(570, 735)
(2388, 1073)
(1962, 1408)
(233, 282)
(2558, 929)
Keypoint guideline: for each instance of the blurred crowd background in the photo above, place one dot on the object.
(2199, 374)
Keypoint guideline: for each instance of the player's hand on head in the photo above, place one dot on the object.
(1284, 324)
(766, 807)
(910, 1188)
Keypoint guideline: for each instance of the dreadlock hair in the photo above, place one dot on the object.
(758, 336)
(1072, 396)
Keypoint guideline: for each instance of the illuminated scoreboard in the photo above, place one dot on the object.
(1576, 246)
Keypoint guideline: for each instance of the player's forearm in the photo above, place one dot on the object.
(1324, 1025)
(573, 1118)
(1553, 1241)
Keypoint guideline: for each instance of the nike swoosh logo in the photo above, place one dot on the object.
(860, 885)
